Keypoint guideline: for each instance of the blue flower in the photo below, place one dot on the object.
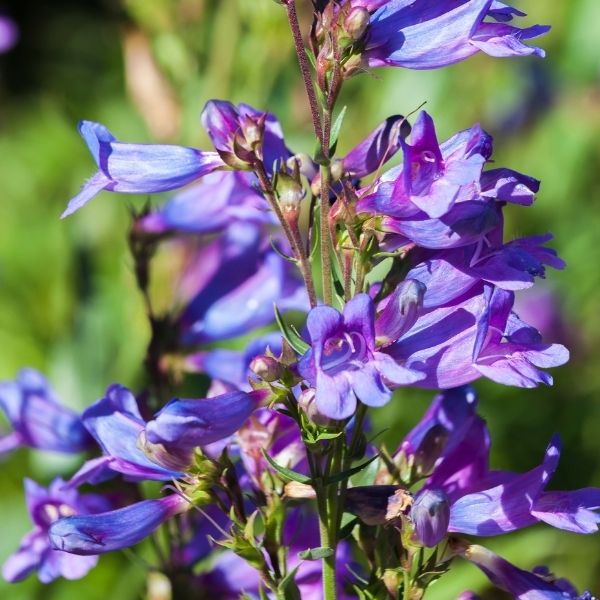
(35, 552)
(138, 168)
(429, 34)
(343, 364)
(37, 418)
(87, 535)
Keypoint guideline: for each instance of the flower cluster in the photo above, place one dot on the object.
(271, 488)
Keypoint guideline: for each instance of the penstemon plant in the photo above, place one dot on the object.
(380, 277)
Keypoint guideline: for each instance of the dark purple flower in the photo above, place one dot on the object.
(113, 530)
(37, 418)
(138, 168)
(35, 552)
(343, 364)
(428, 34)
(520, 584)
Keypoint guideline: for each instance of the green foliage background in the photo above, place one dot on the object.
(68, 302)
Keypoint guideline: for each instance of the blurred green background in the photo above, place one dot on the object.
(68, 301)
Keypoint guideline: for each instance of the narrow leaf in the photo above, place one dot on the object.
(316, 553)
(292, 338)
(347, 474)
(287, 473)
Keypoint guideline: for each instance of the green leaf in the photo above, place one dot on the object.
(292, 338)
(316, 553)
(287, 473)
(288, 588)
(335, 130)
(347, 474)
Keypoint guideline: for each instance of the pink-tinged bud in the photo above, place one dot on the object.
(297, 490)
(266, 368)
(307, 403)
(356, 22)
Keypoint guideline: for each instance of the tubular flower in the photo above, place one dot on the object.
(113, 530)
(520, 584)
(343, 364)
(138, 168)
(35, 552)
(37, 418)
(427, 34)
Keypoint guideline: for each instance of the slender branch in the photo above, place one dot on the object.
(325, 236)
(292, 234)
(305, 69)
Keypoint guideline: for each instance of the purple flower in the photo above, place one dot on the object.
(9, 34)
(211, 205)
(230, 285)
(113, 530)
(505, 502)
(430, 515)
(449, 274)
(183, 425)
(427, 34)
(474, 335)
(35, 552)
(439, 197)
(116, 424)
(37, 418)
(241, 133)
(520, 584)
(343, 364)
(138, 168)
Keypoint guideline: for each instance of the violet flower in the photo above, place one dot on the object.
(231, 284)
(426, 35)
(138, 168)
(114, 530)
(475, 335)
(520, 584)
(439, 197)
(37, 418)
(35, 552)
(450, 274)
(9, 34)
(116, 424)
(343, 364)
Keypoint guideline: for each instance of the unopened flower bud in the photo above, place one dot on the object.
(354, 65)
(430, 515)
(295, 489)
(336, 170)
(357, 22)
(392, 579)
(308, 403)
(266, 368)
(290, 193)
